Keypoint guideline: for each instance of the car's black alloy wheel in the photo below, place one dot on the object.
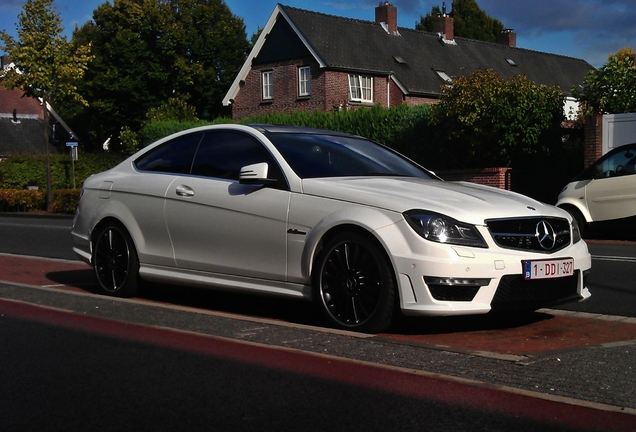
(115, 261)
(354, 284)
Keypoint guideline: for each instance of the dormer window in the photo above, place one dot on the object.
(443, 75)
(361, 88)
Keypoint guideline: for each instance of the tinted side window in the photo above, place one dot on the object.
(619, 162)
(175, 156)
(222, 154)
(622, 162)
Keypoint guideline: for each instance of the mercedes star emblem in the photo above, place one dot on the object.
(545, 235)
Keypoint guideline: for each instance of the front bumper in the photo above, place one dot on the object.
(440, 279)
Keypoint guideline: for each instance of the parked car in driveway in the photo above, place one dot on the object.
(324, 216)
(605, 191)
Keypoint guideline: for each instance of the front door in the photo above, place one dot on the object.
(217, 224)
(612, 192)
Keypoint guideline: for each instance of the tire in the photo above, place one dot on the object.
(578, 217)
(353, 284)
(115, 261)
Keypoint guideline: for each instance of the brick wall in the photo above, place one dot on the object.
(496, 177)
(249, 98)
(336, 90)
(329, 91)
(593, 146)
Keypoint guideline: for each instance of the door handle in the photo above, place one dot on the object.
(185, 191)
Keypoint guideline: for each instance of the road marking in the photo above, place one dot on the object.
(613, 258)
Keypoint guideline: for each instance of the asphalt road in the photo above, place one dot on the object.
(611, 280)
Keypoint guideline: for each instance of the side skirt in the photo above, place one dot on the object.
(166, 275)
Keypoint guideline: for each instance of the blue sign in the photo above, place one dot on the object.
(71, 144)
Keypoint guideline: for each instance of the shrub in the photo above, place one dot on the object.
(20, 172)
(13, 200)
(155, 130)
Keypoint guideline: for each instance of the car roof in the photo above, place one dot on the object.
(267, 128)
(621, 147)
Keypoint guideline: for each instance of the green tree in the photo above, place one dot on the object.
(610, 89)
(427, 23)
(469, 21)
(47, 66)
(150, 51)
(488, 121)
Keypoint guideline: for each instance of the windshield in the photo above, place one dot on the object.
(317, 155)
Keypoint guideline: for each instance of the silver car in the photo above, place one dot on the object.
(323, 216)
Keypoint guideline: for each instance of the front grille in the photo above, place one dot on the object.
(545, 235)
(514, 292)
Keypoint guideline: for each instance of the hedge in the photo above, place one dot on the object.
(403, 128)
(19, 200)
(23, 181)
(20, 172)
(409, 130)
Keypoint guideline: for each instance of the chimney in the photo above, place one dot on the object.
(387, 13)
(507, 37)
(444, 25)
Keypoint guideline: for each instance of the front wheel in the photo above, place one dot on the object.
(578, 217)
(354, 285)
(115, 261)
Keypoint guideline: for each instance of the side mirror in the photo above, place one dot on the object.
(255, 174)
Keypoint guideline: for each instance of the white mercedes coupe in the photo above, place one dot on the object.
(337, 219)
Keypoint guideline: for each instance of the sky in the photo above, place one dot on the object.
(585, 29)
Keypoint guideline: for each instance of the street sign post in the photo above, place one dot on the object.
(74, 156)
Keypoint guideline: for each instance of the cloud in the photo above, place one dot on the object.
(571, 15)
(589, 29)
(595, 28)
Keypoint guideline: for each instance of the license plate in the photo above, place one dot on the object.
(548, 269)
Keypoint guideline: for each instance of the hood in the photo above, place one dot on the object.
(466, 202)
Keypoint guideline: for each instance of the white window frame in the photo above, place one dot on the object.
(443, 75)
(267, 85)
(304, 81)
(360, 88)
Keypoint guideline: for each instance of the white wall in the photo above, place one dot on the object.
(618, 130)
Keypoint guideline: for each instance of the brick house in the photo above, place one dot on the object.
(306, 60)
(22, 128)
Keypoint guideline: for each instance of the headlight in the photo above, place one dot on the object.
(443, 229)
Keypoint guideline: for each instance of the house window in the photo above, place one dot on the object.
(303, 81)
(360, 88)
(267, 79)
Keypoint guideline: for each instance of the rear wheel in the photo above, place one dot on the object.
(115, 261)
(354, 285)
